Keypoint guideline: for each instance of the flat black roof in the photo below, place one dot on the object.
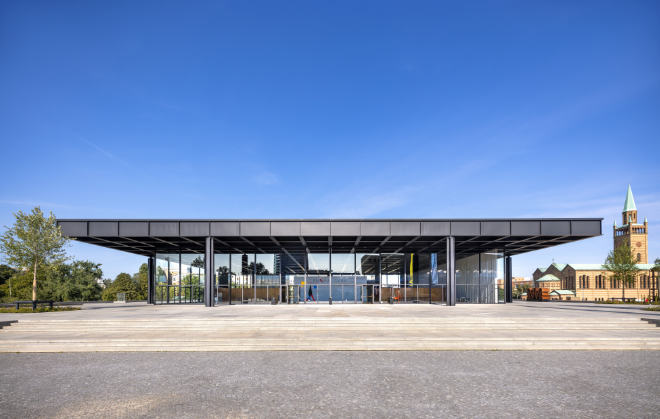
(147, 237)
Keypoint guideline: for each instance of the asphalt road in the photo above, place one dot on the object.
(337, 384)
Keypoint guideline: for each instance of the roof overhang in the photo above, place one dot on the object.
(513, 236)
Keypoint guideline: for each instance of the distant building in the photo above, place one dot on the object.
(517, 281)
(592, 282)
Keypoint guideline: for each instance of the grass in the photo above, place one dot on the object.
(654, 308)
(38, 310)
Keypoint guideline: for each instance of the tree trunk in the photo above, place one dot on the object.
(623, 291)
(34, 283)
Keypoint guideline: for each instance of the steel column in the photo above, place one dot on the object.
(355, 279)
(431, 275)
(330, 276)
(508, 280)
(229, 281)
(380, 281)
(279, 286)
(451, 271)
(209, 278)
(151, 279)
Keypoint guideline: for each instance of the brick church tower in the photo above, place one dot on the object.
(631, 233)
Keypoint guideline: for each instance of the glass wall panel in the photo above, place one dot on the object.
(167, 278)
(293, 277)
(343, 277)
(368, 282)
(421, 264)
(221, 290)
(392, 268)
(477, 278)
(467, 279)
(267, 277)
(439, 279)
(192, 282)
(488, 292)
(242, 265)
(318, 277)
(500, 274)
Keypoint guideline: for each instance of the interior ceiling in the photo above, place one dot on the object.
(465, 246)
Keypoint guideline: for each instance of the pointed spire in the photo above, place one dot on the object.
(629, 205)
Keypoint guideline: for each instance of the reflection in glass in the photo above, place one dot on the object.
(343, 277)
(167, 278)
(192, 282)
(241, 277)
(221, 274)
(392, 277)
(317, 285)
(477, 278)
(267, 270)
(368, 279)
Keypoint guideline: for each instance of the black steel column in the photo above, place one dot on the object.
(508, 280)
(151, 279)
(431, 275)
(209, 278)
(451, 271)
(229, 278)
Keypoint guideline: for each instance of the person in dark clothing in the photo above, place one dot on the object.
(310, 294)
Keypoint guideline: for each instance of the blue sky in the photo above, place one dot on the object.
(332, 109)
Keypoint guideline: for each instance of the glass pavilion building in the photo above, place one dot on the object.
(330, 261)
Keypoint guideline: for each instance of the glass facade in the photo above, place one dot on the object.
(191, 288)
(480, 278)
(241, 279)
(267, 277)
(221, 272)
(179, 278)
(368, 278)
(343, 278)
(321, 277)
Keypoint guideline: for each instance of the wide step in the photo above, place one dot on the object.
(324, 334)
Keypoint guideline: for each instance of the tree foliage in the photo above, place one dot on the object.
(134, 286)
(19, 287)
(623, 266)
(6, 272)
(142, 280)
(33, 241)
(78, 281)
(520, 289)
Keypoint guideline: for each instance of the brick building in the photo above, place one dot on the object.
(592, 282)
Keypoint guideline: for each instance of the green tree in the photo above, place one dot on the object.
(141, 278)
(74, 282)
(6, 272)
(33, 241)
(656, 272)
(122, 283)
(520, 289)
(623, 266)
(21, 285)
